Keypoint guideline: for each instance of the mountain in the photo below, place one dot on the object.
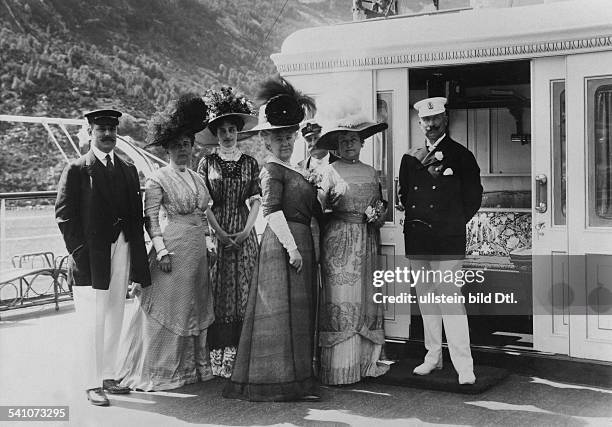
(61, 57)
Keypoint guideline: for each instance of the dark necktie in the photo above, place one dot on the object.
(109, 163)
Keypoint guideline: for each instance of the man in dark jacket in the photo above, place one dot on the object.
(440, 190)
(99, 213)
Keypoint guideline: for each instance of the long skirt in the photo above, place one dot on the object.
(274, 358)
(351, 327)
(230, 278)
(159, 359)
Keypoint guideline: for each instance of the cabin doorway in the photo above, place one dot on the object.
(489, 108)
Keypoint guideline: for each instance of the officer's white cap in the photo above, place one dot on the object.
(430, 106)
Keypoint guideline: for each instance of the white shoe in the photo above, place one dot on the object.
(425, 368)
(467, 378)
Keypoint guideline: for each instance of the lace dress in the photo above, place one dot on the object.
(232, 184)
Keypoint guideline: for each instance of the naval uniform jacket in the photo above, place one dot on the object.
(86, 212)
(440, 194)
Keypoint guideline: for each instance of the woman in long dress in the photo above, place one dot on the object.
(165, 343)
(351, 324)
(232, 179)
(274, 359)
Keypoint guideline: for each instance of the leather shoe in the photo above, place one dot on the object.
(113, 387)
(425, 368)
(97, 397)
(310, 398)
(467, 378)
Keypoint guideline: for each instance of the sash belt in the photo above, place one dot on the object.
(350, 217)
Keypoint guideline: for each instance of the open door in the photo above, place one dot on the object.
(550, 230)
(392, 107)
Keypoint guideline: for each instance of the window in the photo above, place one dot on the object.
(599, 128)
(558, 149)
(383, 149)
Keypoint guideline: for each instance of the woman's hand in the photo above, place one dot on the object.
(382, 218)
(136, 290)
(211, 249)
(239, 238)
(165, 264)
(227, 241)
(295, 260)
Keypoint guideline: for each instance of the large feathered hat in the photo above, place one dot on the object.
(283, 106)
(225, 104)
(341, 113)
(187, 114)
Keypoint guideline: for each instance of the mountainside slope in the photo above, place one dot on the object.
(61, 57)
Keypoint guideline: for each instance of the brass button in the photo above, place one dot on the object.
(416, 187)
(413, 206)
(433, 187)
(431, 206)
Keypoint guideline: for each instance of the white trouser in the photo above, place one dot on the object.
(99, 315)
(451, 314)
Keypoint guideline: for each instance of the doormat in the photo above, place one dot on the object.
(444, 379)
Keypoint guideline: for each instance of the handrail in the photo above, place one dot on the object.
(52, 193)
(18, 195)
(28, 195)
(32, 119)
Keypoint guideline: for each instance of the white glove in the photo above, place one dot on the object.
(278, 224)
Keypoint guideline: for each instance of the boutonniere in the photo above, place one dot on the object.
(447, 172)
(375, 210)
(439, 155)
(314, 177)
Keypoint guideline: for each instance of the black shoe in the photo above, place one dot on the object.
(97, 397)
(113, 387)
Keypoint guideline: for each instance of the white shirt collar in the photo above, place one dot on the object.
(101, 155)
(431, 146)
